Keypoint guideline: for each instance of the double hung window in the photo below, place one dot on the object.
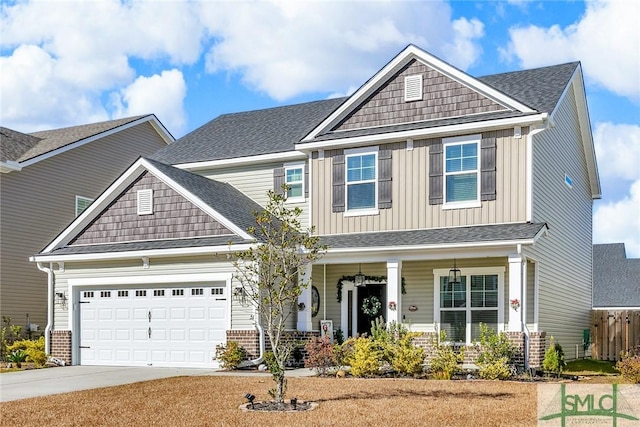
(462, 170)
(361, 180)
(294, 178)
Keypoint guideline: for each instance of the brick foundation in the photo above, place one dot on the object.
(61, 345)
(250, 341)
(536, 348)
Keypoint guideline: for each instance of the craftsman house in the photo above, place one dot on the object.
(446, 200)
(48, 178)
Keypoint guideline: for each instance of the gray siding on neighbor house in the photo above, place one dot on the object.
(173, 217)
(441, 97)
(410, 208)
(254, 181)
(564, 254)
(39, 201)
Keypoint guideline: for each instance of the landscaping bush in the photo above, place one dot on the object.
(407, 358)
(553, 362)
(629, 366)
(33, 350)
(17, 357)
(8, 334)
(495, 353)
(320, 354)
(230, 355)
(444, 360)
(364, 357)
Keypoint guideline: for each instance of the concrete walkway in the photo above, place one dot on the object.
(44, 382)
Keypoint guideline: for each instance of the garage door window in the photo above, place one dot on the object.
(105, 294)
(197, 291)
(158, 292)
(177, 292)
(141, 293)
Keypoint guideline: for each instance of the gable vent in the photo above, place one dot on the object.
(413, 88)
(145, 202)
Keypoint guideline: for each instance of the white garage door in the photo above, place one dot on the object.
(176, 326)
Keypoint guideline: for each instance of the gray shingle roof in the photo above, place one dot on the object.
(616, 278)
(475, 234)
(251, 133)
(276, 130)
(14, 144)
(224, 198)
(53, 139)
(148, 245)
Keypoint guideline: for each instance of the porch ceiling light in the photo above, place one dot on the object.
(358, 279)
(454, 274)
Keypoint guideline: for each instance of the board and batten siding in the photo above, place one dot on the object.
(564, 255)
(254, 181)
(410, 208)
(184, 266)
(39, 201)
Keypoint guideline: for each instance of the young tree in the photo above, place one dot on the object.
(268, 272)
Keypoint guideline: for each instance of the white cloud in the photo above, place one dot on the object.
(619, 221)
(160, 94)
(618, 150)
(605, 40)
(288, 48)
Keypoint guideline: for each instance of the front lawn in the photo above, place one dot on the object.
(214, 401)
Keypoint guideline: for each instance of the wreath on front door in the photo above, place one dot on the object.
(371, 306)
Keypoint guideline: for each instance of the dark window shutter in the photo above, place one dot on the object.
(338, 183)
(306, 181)
(435, 174)
(488, 169)
(384, 179)
(278, 180)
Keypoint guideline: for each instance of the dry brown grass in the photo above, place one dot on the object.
(214, 401)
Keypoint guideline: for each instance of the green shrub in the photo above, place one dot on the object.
(444, 360)
(230, 355)
(364, 357)
(629, 367)
(270, 360)
(407, 358)
(17, 357)
(320, 355)
(495, 353)
(553, 362)
(33, 349)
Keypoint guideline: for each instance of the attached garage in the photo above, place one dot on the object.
(172, 325)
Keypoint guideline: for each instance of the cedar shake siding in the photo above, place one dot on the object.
(173, 217)
(409, 205)
(442, 97)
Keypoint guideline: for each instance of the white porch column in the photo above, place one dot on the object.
(515, 292)
(304, 316)
(394, 290)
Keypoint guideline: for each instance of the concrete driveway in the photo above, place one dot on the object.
(43, 382)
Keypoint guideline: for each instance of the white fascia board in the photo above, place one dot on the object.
(442, 246)
(416, 255)
(198, 202)
(616, 308)
(576, 88)
(99, 204)
(96, 137)
(424, 133)
(241, 161)
(162, 130)
(408, 53)
(10, 166)
(151, 253)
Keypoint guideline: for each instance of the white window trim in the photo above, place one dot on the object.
(86, 199)
(366, 211)
(459, 140)
(408, 81)
(442, 272)
(296, 165)
(145, 193)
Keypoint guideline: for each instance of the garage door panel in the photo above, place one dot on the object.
(186, 324)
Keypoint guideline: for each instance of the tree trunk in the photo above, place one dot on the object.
(280, 386)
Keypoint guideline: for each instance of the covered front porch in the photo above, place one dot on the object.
(452, 287)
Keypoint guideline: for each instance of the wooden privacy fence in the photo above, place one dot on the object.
(613, 332)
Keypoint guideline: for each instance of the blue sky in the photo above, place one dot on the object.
(67, 63)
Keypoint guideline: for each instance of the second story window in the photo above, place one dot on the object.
(361, 180)
(294, 178)
(461, 169)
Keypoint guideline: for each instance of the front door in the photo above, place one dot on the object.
(367, 292)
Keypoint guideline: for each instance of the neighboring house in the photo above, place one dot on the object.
(423, 171)
(616, 278)
(48, 178)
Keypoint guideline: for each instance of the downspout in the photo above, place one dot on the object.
(260, 358)
(50, 307)
(523, 327)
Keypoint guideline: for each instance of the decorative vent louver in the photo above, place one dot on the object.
(145, 202)
(413, 88)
